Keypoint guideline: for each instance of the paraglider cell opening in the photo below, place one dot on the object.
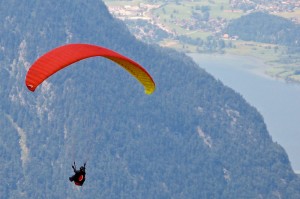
(30, 87)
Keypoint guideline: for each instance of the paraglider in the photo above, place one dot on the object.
(63, 56)
(79, 176)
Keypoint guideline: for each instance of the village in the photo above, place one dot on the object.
(200, 19)
(197, 21)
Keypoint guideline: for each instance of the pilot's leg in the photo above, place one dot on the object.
(72, 178)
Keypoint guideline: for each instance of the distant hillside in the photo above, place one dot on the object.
(267, 28)
(193, 138)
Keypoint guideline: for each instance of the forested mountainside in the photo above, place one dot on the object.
(192, 138)
(267, 28)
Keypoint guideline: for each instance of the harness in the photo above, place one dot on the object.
(79, 181)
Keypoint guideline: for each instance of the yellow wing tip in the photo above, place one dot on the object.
(149, 91)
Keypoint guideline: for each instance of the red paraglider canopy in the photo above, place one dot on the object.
(63, 56)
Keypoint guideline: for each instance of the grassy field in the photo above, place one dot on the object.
(268, 52)
(289, 15)
(168, 13)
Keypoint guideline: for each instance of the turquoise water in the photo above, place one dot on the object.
(276, 100)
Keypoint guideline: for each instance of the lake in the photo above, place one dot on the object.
(276, 100)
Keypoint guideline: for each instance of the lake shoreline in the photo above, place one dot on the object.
(259, 69)
(263, 69)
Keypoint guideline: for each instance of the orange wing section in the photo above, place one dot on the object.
(63, 56)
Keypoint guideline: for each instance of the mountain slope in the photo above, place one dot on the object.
(267, 28)
(193, 138)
